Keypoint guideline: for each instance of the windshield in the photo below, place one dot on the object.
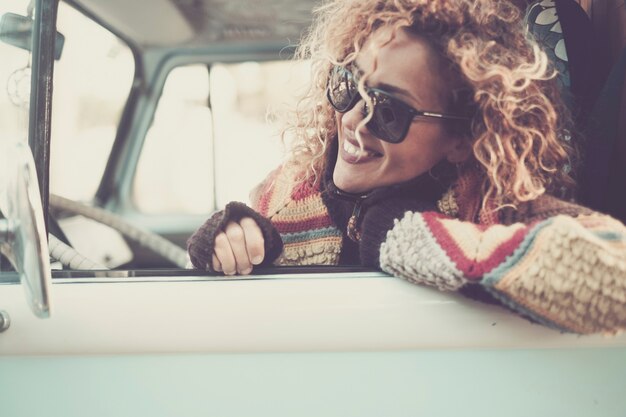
(15, 70)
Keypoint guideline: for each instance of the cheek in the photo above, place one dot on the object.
(406, 163)
(426, 146)
(416, 154)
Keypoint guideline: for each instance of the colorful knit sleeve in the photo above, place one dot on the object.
(568, 273)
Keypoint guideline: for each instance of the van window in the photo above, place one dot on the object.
(15, 78)
(249, 103)
(213, 138)
(92, 81)
(175, 169)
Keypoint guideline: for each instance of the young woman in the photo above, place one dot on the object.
(429, 145)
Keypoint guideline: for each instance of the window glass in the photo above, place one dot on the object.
(249, 101)
(182, 170)
(92, 81)
(175, 170)
(15, 72)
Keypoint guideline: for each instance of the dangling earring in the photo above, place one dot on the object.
(432, 175)
(443, 172)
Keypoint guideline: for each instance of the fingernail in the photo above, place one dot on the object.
(246, 271)
(257, 260)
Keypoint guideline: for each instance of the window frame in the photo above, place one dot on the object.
(40, 111)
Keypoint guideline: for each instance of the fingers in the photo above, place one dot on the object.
(217, 265)
(238, 248)
(224, 255)
(237, 241)
(255, 244)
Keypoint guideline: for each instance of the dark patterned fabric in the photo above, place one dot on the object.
(565, 31)
(543, 22)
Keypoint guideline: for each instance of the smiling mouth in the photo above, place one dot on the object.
(356, 152)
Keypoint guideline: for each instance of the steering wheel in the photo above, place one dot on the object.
(145, 238)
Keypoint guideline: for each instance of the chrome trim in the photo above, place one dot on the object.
(104, 277)
(5, 321)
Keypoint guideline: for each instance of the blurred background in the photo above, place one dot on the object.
(232, 126)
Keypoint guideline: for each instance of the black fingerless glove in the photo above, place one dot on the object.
(201, 244)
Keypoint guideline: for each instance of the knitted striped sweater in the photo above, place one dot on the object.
(553, 262)
(298, 213)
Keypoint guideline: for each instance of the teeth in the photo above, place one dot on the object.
(353, 150)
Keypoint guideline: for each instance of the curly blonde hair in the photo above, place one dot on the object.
(519, 119)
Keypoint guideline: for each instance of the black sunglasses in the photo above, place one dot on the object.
(391, 117)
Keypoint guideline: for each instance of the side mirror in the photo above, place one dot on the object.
(17, 30)
(22, 229)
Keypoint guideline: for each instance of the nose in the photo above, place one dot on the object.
(357, 113)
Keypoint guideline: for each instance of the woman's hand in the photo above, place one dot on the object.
(233, 240)
(239, 247)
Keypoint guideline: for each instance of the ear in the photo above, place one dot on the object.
(460, 150)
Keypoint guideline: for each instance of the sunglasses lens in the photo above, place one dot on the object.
(341, 89)
(391, 118)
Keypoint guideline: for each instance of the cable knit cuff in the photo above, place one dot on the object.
(378, 220)
(200, 245)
